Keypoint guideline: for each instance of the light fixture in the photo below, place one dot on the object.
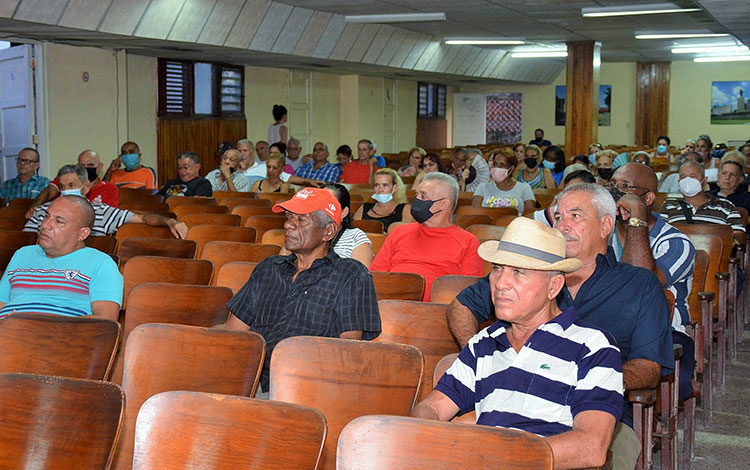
(678, 35)
(395, 18)
(630, 10)
(729, 58)
(710, 49)
(539, 54)
(486, 42)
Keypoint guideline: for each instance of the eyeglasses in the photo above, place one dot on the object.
(623, 186)
(25, 161)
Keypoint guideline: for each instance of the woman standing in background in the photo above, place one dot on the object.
(277, 132)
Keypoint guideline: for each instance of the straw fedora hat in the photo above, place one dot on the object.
(529, 244)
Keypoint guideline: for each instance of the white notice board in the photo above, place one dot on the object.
(469, 117)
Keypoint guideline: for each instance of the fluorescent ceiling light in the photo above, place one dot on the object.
(677, 35)
(730, 58)
(488, 42)
(395, 18)
(538, 54)
(710, 49)
(630, 10)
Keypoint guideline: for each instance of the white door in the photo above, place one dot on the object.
(15, 106)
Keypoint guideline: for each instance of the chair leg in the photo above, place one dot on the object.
(688, 438)
(720, 327)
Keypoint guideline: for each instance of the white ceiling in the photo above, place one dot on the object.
(312, 34)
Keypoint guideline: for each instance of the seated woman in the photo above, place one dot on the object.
(535, 174)
(344, 156)
(390, 195)
(662, 147)
(519, 150)
(415, 160)
(350, 242)
(553, 159)
(583, 160)
(430, 162)
(604, 161)
(504, 190)
(272, 183)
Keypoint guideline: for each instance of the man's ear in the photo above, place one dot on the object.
(330, 232)
(607, 224)
(344, 212)
(649, 198)
(86, 187)
(555, 286)
(83, 233)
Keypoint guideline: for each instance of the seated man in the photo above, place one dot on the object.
(190, 182)
(61, 275)
(432, 246)
(361, 171)
(320, 169)
(624, 300)
(700, 207)
(311, 291)
(730, 182)
(27, 184)
(226, 177)
(100, 191)
(538, 368)
(73, 182)
(134, 175)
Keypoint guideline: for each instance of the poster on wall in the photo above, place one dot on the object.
(504, 118)
(730, 103)
(605, 105)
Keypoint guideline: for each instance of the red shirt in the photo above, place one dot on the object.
(431, 252)
(356, 173)
(105, 193)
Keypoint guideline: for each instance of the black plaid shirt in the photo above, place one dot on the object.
(333, 296)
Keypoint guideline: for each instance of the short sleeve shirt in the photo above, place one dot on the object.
(13, 188)
(329, 172)
(239, 179)
(107, 219)
(515, 197)
(143, 177)
(714, 211)
(197, 186)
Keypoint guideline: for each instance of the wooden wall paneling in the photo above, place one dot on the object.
(432, 133)
(582, 96)
(202, 136)
(652, 101)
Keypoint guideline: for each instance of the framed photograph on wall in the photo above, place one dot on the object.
(605, 105)
(504, 118)
(560, 105)
(730, 103)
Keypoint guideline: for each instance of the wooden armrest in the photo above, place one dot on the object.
(645, 397)
(710, 296)
(677, 350)
(722, 276)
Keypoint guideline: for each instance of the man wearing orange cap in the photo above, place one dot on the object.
(312, 291)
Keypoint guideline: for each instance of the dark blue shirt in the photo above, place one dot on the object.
(620, 298)
(738, 198)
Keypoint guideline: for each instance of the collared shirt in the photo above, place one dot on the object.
(13, 188)
(332, 296)
(329, 172)
(624, 300)
(241, 183)
(674, 254)
(714, 211)
(738, 198)
(107, 219)
(565, 367)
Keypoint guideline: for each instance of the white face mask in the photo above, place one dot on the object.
(383, 198)
(689, 187)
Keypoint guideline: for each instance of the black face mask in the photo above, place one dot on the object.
(420, 209)
(605, 173)
(531, 163)
(232, 170)
(92, 174)
(616, 193)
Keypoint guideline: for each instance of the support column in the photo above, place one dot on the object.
(651, 101)
(582, 96)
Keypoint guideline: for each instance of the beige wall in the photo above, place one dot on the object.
(141, 106)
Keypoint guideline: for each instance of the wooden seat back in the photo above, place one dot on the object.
(398, 286)
(161, 358)
(275, 198)
(724, 232)
(221, 195)
(420, 324)
(154, 207)
(129, 230)
(23, 202)
(129, 194)
(203, 234)
(275, 236)
(714, 246)
(505, 220)
(5, 256)
(12, 218)
(467, 220)
(374, 226)
(192, 200)
(58, 423)
(486, 232)
(221, 252)
(171, 248)
(106, 243)
(187, 429)
(395, 442)
(234, 274)
(262, 223)
(35, 343)
(445, 288)
(232, 202)
(140, 269)
(493, 212)
(15, 239)
(200, 218)
(377, 240)
(700, 274)
(185, 209)
(245, 211)
(345, 379)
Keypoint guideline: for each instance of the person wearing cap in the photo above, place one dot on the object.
(311, 291)
(625, 300)
(539, 368)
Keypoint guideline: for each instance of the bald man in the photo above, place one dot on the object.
(100, 191)
(642, 238)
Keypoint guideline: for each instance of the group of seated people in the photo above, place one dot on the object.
(576, 288)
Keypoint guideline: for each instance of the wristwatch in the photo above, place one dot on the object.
(636, 222)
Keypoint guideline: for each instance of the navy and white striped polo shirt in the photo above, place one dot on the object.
(565, 367)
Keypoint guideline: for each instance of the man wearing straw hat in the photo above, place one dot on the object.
(538, 368)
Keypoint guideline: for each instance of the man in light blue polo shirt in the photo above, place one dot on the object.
(538, 368)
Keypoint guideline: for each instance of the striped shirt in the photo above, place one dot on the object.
(107, 219)
(65, 285)
(714, 211)
(564, 368)
(241, 184)
(350, 239)
(329, 172)
(674, 254)
(13, 188)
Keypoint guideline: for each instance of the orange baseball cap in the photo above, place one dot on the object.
(308, 200)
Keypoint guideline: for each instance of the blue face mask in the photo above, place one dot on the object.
(661, 148)
(130, 160)
(548, 164)
(71, 192)
(383, 198)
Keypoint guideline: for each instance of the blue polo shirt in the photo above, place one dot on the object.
(620, 298)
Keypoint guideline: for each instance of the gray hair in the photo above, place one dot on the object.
(79, 170)
(601, 199)
(448, 182)
(473, 151)
(736, 154)
(695, 164)
(691, 141)
(371, 143)
(293, 139)
(322, 219)
(244, 141)
(192, 156)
